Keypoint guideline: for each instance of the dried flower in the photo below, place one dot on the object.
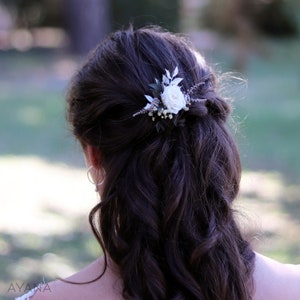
(167, 99)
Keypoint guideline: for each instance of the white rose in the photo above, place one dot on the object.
(173, 98)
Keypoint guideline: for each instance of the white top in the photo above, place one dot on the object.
(29, 294)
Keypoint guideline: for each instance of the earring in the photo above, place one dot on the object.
(90, 178)
(88, 174)
(103, 177)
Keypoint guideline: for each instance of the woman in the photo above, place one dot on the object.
(153, 133)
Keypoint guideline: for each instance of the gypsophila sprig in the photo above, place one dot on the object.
(167, 98)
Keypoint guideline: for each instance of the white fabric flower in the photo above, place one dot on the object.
(173, 98)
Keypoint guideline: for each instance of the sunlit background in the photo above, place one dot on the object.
(44, 193)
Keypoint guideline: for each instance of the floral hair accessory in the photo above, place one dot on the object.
(168, 98)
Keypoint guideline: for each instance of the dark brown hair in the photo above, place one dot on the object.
(166, 216)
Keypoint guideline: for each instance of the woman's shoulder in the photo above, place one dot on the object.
(106, 287)
(274, 280)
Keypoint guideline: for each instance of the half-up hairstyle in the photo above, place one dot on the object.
(166, 217)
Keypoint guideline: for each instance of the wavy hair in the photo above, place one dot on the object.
(166, 217)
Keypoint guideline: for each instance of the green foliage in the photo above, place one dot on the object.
(146, 12)
(35, 13)
(32, 13)
(272, 18)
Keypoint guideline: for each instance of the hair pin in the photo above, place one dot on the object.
(167, 97)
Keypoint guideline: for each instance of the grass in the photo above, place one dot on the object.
(32, 108)
(267, 107)
(272, 112)
(43, 223)
(44, 227)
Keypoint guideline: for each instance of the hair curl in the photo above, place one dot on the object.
(166, 216)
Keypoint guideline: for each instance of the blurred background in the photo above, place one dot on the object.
(44, 193)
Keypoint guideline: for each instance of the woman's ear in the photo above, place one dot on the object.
(92, 156)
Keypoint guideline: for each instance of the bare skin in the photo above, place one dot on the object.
(276, 281)
(272, 280)
(109, 286)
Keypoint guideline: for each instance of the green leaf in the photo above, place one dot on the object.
(176, 81)
(168, 73)
(166, 81)
(175, 72)
(154, 86)
(149, 98)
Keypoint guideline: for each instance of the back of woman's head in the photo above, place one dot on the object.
(165, 217)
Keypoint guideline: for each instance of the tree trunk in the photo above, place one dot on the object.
(87, 22)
